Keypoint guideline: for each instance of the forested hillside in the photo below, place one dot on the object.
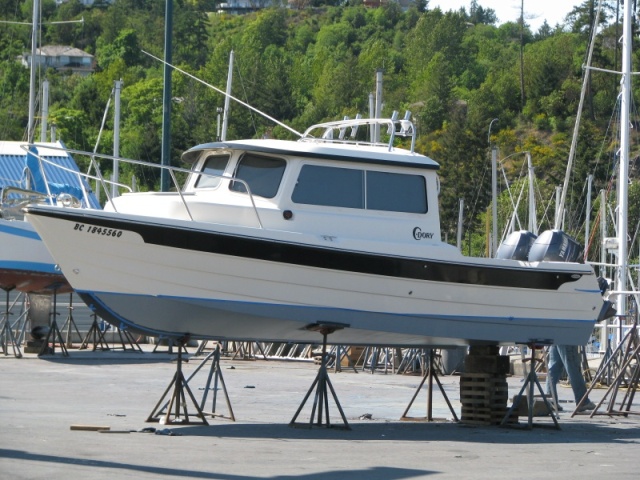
(455, 71)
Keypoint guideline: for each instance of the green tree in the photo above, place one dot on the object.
(126, 47)
(435, 93)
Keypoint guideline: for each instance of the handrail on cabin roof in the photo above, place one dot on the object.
(395, 127)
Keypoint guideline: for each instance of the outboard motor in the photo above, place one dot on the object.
(555, 246)
(516, 246)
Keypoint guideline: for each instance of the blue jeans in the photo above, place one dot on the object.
(568, 357)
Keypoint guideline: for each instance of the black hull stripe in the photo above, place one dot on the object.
(319, 257)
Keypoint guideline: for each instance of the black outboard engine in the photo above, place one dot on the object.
(516, 246)
(555, 246)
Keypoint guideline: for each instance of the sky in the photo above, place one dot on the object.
(535, 11)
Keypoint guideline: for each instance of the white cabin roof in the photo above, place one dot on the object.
(364, 153)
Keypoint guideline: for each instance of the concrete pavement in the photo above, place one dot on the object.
(41, 398)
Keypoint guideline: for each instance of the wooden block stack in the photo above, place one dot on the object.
(484, 398)
(484, 391)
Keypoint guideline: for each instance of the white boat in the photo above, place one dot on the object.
(335, 231)
(25, 262)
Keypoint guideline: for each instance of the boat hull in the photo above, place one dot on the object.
(25, 264)
(176, 280)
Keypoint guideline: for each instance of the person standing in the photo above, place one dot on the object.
(567, 357)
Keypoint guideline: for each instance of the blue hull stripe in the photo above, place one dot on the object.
(30, 267)
(18, 232)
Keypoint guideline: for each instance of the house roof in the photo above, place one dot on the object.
(13, 167)
(61, 50)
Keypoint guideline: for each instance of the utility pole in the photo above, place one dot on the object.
(522, 97)
(166, 97)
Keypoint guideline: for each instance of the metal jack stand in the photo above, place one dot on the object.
(201, 347)
(337, 353)
(53, 335)
(245, 351)
(430, 374)
(628, 376)
(70, 323)
(321, 399)
(532, 379)
(126, 337)
(216, 374)
(177, 400)
(6, 332)
(171, 342)
(96, 334)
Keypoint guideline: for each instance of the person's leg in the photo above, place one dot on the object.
(554, 370)
(572, 362)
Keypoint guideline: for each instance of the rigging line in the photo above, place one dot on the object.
(513, 204)
(574, 139)
(246, 97)
(588, 242)
(477, 199)
(613, 168)
(541, 201)
(514, 215)
(244, 104)
(545, 213)
(575, 225)
(634, 237)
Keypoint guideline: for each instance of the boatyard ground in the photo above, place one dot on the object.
(42, 398)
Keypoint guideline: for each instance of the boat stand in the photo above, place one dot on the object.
(429, 376)
(224, 350)
(321, 399)
(201, 347)
(170, 412)
(628, 377)
(376, 358)
(245, 351)
(336, 355)
(70, 323)
(20, 325)
(7, 336)
(531, 381)
(215, 374)
(95, 336)
(53, 335)
(171, 342)
(126, 338)
(412, 360)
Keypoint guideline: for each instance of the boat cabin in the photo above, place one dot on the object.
(332, 188)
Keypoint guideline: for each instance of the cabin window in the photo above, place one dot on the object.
(333, 187)
(396, 192)
(262, 174)
(213, 165)
(351, 188)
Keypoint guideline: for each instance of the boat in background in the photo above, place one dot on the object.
(268, 239)
(29, 172)
(45, 173)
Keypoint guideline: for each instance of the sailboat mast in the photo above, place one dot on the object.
(623, 183)
(533, 221)
(32, 72)
(227, 98)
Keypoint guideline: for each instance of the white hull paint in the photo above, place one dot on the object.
(26, 264)
(26, 247)
(165, 290)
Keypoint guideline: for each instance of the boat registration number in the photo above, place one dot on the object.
(104, 231)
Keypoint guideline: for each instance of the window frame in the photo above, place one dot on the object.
(365, 187)
(238, 181)
(201, 174)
